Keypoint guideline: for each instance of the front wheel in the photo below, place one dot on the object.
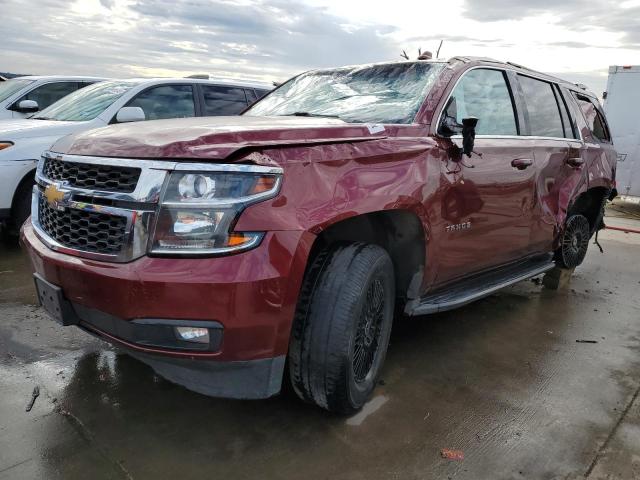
(22, 204)
(342, 326)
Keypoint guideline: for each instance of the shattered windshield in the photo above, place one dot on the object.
(384, 93)
(87, 103)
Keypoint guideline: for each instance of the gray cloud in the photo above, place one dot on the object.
(576, 15)
(262, 39)
(494, 10)
(434, 40)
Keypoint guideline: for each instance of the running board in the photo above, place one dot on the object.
(479, 286)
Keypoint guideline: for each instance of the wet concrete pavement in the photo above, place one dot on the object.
(503, 380)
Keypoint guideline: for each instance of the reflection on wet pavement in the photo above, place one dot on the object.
(503, 380)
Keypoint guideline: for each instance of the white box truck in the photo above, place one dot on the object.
(621, 105)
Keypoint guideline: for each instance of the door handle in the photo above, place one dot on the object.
(575, 162)
(521, 163)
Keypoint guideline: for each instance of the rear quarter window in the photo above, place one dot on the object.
(594, 117)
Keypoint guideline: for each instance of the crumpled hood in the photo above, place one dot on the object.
(211, 138)
(11, 130)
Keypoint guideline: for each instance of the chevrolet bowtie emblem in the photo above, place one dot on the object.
(54, 195)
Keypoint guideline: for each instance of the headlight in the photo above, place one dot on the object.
(4, 145)
(199, 209)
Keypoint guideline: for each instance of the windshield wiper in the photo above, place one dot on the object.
(41, 118)
(309, 114)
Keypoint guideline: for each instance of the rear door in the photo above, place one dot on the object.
(558, 153)
(166, 101)
(222, 100)
(486, 200)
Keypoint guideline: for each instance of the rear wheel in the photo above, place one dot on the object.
(574, 242)
(342, 327)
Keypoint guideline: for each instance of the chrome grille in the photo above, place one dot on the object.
(107, 178)
(82, 229)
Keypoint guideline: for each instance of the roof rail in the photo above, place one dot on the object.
(517, 65)
(459, 59)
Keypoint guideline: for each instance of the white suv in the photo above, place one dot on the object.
(23, 96)
(116, 101)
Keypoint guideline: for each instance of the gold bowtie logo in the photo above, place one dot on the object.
(53, 195)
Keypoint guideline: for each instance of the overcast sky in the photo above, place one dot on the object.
(274, 39)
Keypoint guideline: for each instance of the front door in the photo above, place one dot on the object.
(487, 199)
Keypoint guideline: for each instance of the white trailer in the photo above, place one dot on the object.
(622, 105)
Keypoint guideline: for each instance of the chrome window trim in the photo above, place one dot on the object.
(143, 203)
(522, 137)
(517, 72)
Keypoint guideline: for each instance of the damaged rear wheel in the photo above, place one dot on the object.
(342, 326)
(574, 242)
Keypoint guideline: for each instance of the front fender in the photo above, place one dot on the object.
(327, 184)
(18, 161)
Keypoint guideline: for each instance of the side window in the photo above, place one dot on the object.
(483, 93)
(595, 120)
(261, 93)
(50, 93)
(166, 101)
(543, 109)
(567, 122)
(219, 100)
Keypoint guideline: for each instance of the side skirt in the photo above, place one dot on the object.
(478, 286)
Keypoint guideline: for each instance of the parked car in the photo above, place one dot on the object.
(221, 250)
(23, 96)
(621, 103)
(22, 142)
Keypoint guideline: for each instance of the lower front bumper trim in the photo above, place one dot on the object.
(252, 379)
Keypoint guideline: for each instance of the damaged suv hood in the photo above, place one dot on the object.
(211, 138)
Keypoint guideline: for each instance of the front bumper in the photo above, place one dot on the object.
(251, 296)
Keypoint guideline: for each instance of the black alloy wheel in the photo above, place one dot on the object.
(575, 242)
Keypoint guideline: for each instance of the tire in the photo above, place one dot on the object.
(342, 325)
(21, 209)
(574, 242)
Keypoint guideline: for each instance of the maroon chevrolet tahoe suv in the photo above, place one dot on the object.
(233, 253)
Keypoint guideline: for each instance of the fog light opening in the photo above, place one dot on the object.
(192, 334)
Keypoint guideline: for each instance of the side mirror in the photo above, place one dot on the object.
(468, 135)
(130, 114)
(27, 106)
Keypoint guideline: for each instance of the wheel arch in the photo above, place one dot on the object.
(590, 204)
(400, 232)
(28, 178)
